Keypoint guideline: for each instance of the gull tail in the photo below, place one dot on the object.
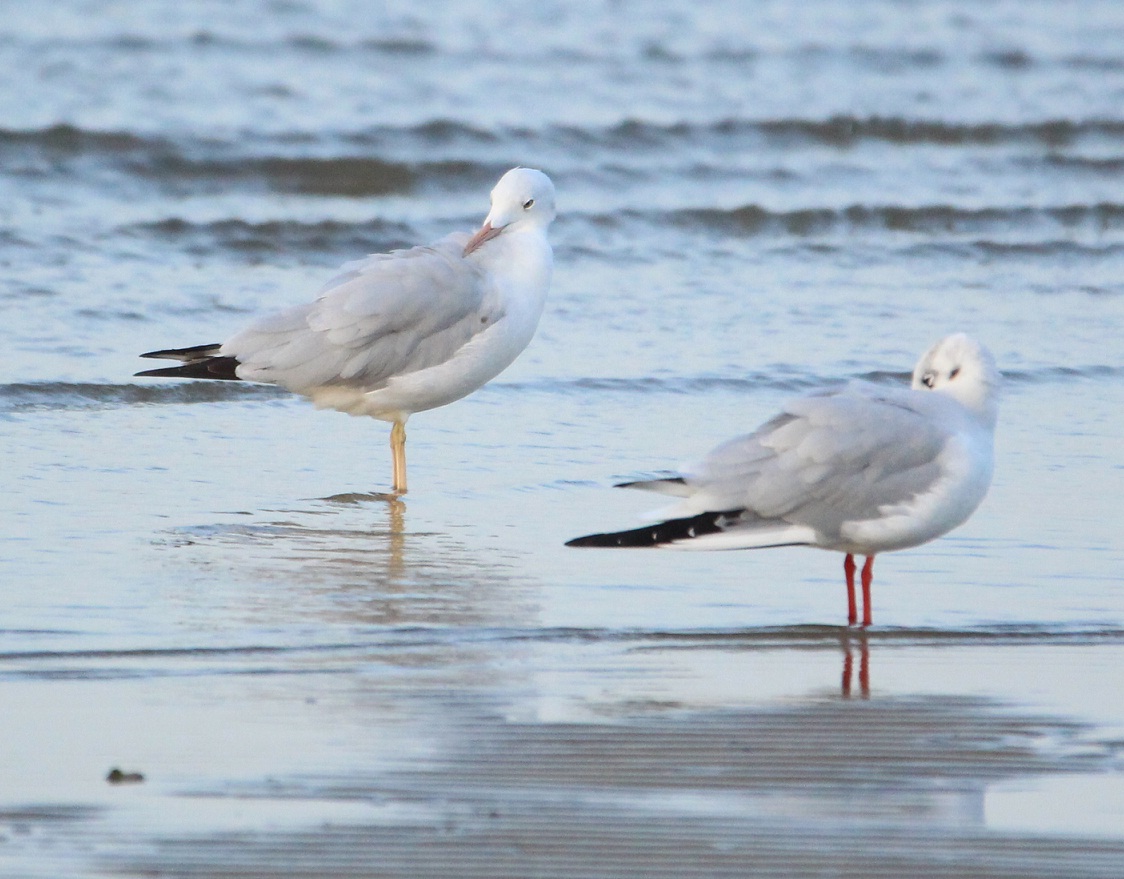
(730, 529)
(199, 361)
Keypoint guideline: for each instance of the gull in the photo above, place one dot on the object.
(862, 469)
(406, 331)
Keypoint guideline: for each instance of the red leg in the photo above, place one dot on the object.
(849, 572)
(848, 666)
(868, 578)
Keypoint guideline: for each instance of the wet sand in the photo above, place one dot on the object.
(367, 759)
(345, 686)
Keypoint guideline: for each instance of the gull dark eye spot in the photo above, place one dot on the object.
(528, 204)
(955, 372)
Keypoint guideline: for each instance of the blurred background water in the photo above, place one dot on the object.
(755, 200)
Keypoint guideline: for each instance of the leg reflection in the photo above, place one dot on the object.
(849, 664)
(396, 528)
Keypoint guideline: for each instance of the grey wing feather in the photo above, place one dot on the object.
(380, 317)
(826, 459)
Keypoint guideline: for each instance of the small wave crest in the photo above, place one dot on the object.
(756, 220)
(1108, 165)
(1063, 375)
(72, 139)
(801, 636)
(841, 131)
(813, 636)
(348, 176)
(272, 156)
(784, 379)
(334, 165)
(69, 138)
(32, 396)
(780, 378)
(337, 176)
(280, 236)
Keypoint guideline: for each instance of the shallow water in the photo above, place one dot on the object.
(203, 584)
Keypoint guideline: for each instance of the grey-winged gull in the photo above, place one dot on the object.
(402, 332)
(863, 469)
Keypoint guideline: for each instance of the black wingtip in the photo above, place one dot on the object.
(187, 355)
(213, 368)
(662, 533)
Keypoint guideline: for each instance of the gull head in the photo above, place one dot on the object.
(523, 199)
(963, 369)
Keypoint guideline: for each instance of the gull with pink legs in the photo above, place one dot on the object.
(863, 469)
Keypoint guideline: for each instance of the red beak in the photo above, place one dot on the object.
(486, 233)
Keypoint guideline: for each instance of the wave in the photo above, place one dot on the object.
(65, 136)
(349, 176)
(1047, 249)
(839, 130)
(779, 378)
(332, 41)
(754, 219)
(32, 396)
(292, 162)
(810, 635)
(334, 176)
(847, 130)
(765, 637)
(986, 230)
(442, 153)
(280, 236)
(1063, 375)
(1103, 165)
(36, 396)
(203, 39)
(70, 138)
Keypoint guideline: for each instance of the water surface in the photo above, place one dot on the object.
(202, 583)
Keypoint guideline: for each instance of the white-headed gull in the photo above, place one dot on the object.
(862, 469)
(401, 332)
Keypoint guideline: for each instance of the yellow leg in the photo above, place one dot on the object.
(398, 451)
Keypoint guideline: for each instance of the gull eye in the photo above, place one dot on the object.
(928, 379)
(955, 372)
(528, 204)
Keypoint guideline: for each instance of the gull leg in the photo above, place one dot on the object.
(398, 452)
(868, 578)
(849, 571)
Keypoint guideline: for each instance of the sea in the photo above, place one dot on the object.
(205, 586)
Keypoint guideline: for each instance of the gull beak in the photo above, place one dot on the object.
(486, 233)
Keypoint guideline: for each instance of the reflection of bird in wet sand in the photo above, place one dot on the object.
(849, 666)
(863, 469)
(402, 332)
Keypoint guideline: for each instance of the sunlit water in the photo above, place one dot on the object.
(201, 583)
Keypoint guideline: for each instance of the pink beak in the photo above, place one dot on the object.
(486, 233)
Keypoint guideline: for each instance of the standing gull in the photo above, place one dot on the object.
(862, 470)
(401, 332)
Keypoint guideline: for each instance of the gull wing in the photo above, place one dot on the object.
(382, 316)
(828, 459)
